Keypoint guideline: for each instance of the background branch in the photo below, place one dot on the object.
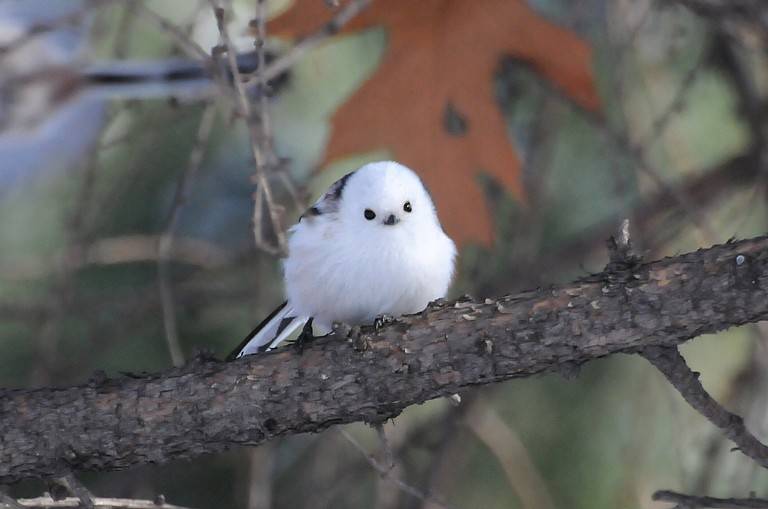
(693, 501)
(672, 365)
(110, 503)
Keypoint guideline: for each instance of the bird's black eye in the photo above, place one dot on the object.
(369, 214)
(407, 207)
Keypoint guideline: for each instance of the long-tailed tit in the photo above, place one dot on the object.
(372, 245)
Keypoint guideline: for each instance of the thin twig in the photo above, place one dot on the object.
(40, 29)
(621, 47)
(726, 13)
(165, 245)
(445, 455)
(661, 123)
(190, 47)
(116, 251)
(75, 238)
(187, 28)
(265, 123)
(388, 456)
(672, 365)
(261, 463)
(258, 122)
(505, 444)
(255, 127)
(637, 153)
(312, 41)
(693, 501)
(124, 31)
(385, 473)
(113, 503)
(261, 79)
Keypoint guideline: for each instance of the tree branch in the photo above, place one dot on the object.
(107, 503)
(367, 375)
(672, 365)
(693, 501)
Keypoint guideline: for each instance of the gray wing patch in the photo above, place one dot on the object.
(329, 202)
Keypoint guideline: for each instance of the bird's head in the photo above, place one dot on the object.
(387, 196)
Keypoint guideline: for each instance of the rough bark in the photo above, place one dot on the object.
(367, 375)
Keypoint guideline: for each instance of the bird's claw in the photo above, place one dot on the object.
(380, 321)
(305, 337)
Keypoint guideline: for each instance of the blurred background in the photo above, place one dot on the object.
(144, 192)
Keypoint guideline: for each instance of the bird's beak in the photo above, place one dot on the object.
(391, 219)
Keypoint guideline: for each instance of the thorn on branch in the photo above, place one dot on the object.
(621, 255)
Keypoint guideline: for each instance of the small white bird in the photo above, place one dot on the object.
(372, 245)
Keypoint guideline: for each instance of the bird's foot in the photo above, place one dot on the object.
(305, 337)
(380, 321)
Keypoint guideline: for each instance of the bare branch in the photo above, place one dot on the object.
(661, 123)
(385, 472)
(672, 365)
(261, 464)
(165, 246)
(332, 27)
(258, 125)
(387, 454)
(522, 475)
(637, 152)
(748, 12)
(115, 251)
(110, 503)
(694, 501)
(32, 32)
(190, 47)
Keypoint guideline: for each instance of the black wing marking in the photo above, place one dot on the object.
(233, 355)
(329, 202)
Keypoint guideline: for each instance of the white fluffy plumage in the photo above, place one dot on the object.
(372, 245)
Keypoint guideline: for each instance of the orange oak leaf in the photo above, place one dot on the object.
(431, 101)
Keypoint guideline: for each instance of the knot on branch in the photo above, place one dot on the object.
(746, 273)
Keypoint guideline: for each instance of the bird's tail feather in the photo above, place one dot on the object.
(271, 332)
